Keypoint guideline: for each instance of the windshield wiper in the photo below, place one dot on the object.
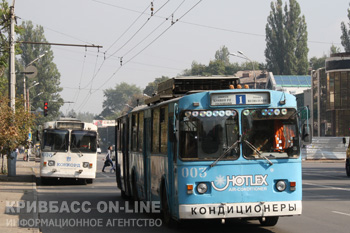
(75, 147)
(251, 146)
(225, 153)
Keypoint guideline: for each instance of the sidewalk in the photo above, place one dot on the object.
(21, 187)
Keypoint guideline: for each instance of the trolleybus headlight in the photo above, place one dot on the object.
(277, 111)
(281, 185)
(188, 113)
(246, 112)
(202, 188)
(85, 164)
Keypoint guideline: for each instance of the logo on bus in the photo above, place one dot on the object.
(221, 183)
(69, 159)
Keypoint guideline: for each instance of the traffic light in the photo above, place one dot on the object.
(46, 108)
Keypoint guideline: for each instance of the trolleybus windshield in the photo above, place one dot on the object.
(83, 141)
(55, 140)
(207, 134)
(270, 133)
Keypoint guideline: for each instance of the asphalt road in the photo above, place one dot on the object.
(326, 207)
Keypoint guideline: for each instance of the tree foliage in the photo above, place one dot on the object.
(345, 36)
(220, 66)
(223, 55)
(286, 39)
(4, 44)
(151, 88)
(14, 127)
(48, 75)
(117, 98)
(320, 62)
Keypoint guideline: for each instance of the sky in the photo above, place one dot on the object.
(165, 44)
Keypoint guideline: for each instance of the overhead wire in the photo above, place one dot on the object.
(212, 27)
(130, 26)
(143, 25)
(142, 40)
(155, 39)
(86, 99)
(81, 77)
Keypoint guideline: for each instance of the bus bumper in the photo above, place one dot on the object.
(71, 174)
(240, 210)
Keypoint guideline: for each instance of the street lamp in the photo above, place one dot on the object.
(29, 104)
(35, 83)
(246, 58)
(26, 92)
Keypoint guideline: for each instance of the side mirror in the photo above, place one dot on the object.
(306, 134)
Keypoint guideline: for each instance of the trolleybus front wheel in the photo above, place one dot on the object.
(268, 221)
(89, 181)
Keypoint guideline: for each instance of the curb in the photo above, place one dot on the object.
(35, 198)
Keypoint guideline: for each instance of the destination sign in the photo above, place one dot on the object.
(224, 99)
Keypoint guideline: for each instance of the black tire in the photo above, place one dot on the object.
(268, 221)
(89, 181)
(82, 181)
(44, 181)
(347, 168)
(135, 195)
(123, 194)
(167, 218)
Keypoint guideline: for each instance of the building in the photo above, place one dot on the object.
(331, 97)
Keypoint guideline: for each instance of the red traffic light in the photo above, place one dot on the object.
(46, 108)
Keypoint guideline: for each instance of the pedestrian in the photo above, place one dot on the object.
(108, 160)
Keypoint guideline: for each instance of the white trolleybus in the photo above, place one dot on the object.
(68, 150)
(205, 151)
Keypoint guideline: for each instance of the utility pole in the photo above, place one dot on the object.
(12, 73)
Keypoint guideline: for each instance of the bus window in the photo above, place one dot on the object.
(270, 133)
(205, 135)
(55, 141)
(83, 141)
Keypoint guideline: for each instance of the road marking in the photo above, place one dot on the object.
(336, 212)
(105, 175)
(330, 187)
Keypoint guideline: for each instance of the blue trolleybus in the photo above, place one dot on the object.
(205, 148)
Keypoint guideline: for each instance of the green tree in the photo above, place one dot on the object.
(320, 62)
(14, 127)
(223, 55)
(86, 116)
(117, 98)
(286, 39)
(334, 49)
(197, 69)
(48, 75)
(317, 63)
(345, 37)
(4, 44)
(152, 87)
